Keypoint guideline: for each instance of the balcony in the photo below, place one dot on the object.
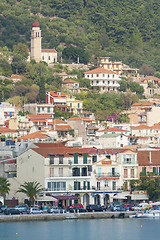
(130, 162)
(108, 176)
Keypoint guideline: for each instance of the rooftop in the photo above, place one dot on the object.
(99, 70)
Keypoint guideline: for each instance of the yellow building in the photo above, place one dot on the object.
(75, 105)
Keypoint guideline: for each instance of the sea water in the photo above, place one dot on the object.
(93, 229)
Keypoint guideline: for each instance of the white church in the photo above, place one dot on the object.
(36, 52)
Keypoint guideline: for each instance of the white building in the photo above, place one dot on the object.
(6, 112)
(37, 53)
(105, 80)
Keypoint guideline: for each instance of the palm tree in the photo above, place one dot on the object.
(31, 189)
(4, 186)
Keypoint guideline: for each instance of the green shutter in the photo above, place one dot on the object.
(79, 186)
(75, 158)
(84, 158)
(49, 186)
(75, 185)
(88, 185)
(84, 185)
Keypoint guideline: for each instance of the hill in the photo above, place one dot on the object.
(126, 30)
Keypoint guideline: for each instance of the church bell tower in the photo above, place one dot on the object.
(36, 42)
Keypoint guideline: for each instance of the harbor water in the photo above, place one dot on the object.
(88, 229)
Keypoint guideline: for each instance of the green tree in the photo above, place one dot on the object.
(21, 49)
(18, 64)
(4, 186)
(31, 189)
(151, 184)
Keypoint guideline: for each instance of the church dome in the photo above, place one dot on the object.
(35, 24)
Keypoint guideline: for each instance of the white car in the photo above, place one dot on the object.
(34, 210)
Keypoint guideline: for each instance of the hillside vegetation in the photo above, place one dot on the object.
(126, 30)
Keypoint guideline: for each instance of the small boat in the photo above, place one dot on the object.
(147, 214)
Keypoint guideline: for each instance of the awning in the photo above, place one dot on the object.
(120, 196)
(66, 197)
(46, 199)
(63, 197)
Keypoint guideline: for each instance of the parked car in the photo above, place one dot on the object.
(34, 210)
(11, 211)
(95, 208)
(56, 210)
(118, 208)
(22, 208)
(76, 205)
(77, 209)
(2, 208)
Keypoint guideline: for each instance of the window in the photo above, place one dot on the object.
(97, 81)
(48, 110)
(98, 186)
(77, 185)
(51, 159)
(61, 159)
(113, 82)
(56, 186)
(39, 109)
(103, 81)
(60, 172)
(108, 75)
(88, 185)
(97, 75)
(75, 158)
(103, 75)
(108, 82)
(42, 57)
(78, 105)
(125, 173)
(84, 158)
(114, 185)
(51, 172)
(144, 171)
(42, 108)
(84, 185)
(99, 170)
(49, 58)
(84, 171)
(155, 170)
(70, 104)
(88, 76)
(132, 173)
(38, 34)
(92, 75)
(113, 75)
(75, 172)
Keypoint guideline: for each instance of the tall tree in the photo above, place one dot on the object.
(4, 186)
(31, 189)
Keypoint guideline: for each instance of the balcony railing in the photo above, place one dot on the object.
(108, 175)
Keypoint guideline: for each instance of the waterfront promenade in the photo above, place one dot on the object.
(65, 216)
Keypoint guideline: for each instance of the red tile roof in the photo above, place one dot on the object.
(6, 130)
(44, 151)
(69, 81)
(54, 93)
(39, 116)
(35, 24)
(38, 134)
(49, 50)
(142, 104)
(143, 158)
(112, 130)
(141, 127)
(81, 118)
(59, 121)
(150, 78)
(100, 70)
(62, 127)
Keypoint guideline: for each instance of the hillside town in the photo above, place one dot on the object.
(74, 155)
